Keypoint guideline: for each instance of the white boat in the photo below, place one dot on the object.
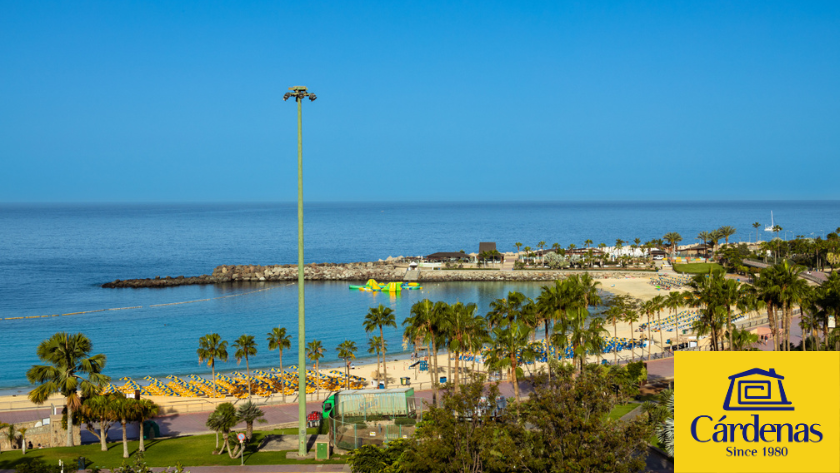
(770, 227)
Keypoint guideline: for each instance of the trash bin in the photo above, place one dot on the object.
(406, 381)
(322, 450)
(381, 385)
(443, 380)
(82, 463)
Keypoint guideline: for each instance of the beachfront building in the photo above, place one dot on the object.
(449, 257)
(487, 251)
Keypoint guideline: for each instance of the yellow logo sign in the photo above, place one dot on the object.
(757, 412)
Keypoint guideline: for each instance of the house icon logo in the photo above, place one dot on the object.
(756, 390)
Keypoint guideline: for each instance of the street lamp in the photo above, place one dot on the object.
(300, 93)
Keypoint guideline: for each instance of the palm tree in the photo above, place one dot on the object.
(726, 232)
(615, 313)
(792, 291)
(347, 352)
(222, 420)
(248, 413)
(68, 360)
(704, 237)
(631, 316)
(11, 434)
(756, 225)
(379, 317)
(423, 324)
(509, 350)
(278, 340)
(375, 346)
(504, 311)
(659, 302)
(461, 322)
(143, 409)
(743, 339)
(124, 411)
(728, 294)
(211, 347)
(101, 410)
(22, 431)
(518, 245)
(245, 347)
(315, 351)
(673, 238)
(648, 308)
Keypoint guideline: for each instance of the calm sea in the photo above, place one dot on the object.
(54, 257)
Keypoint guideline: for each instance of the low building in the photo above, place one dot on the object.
(448, 257)
(489, 248)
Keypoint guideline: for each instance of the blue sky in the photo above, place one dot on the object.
(182, 101)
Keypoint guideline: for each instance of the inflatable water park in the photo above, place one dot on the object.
(373, 286)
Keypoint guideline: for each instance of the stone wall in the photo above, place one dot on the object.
(50, 435)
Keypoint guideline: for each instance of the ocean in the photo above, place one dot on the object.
(54, 257)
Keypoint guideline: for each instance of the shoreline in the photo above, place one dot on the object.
(636, 285)
(380, 271)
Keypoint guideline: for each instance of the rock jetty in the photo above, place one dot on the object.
(381, 271)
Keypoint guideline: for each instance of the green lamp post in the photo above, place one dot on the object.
(300, 93)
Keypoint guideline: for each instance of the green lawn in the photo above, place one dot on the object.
(621, 409)
(697, 268)
(190, 451)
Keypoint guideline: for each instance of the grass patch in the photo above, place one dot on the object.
(620, 410)
(193, 450)
(697, 268)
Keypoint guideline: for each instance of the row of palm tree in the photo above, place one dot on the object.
(508, 329)
(108, 409)
(70, 370)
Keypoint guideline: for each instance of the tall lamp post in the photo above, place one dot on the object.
(300, 93)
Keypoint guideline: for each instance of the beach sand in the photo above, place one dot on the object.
(397, 365)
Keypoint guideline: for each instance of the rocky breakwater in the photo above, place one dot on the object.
(288, 272)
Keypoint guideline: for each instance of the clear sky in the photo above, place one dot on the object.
(182, 101)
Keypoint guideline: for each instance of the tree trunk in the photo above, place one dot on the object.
(513, 377)
(448, 366)
(384, 362)
(774, 329)
(615, 346)
(69, 425)
(125, 439)
(103, 437)
(281, 372)
(650, 339)
(217, 442)
(249, 430)
(661, 332)
(140, 426)
(317, 379)
(632, 344)
(729, 325)
(23, 444)
(430, 367)
(378, 368)
(213, 369)
(457, 374)
(248, 370)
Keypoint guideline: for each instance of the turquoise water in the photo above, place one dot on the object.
(53, 258)
(162, 340)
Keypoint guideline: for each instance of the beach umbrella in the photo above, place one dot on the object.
(125, 379)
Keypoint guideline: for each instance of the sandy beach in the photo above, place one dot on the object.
(397, 365)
